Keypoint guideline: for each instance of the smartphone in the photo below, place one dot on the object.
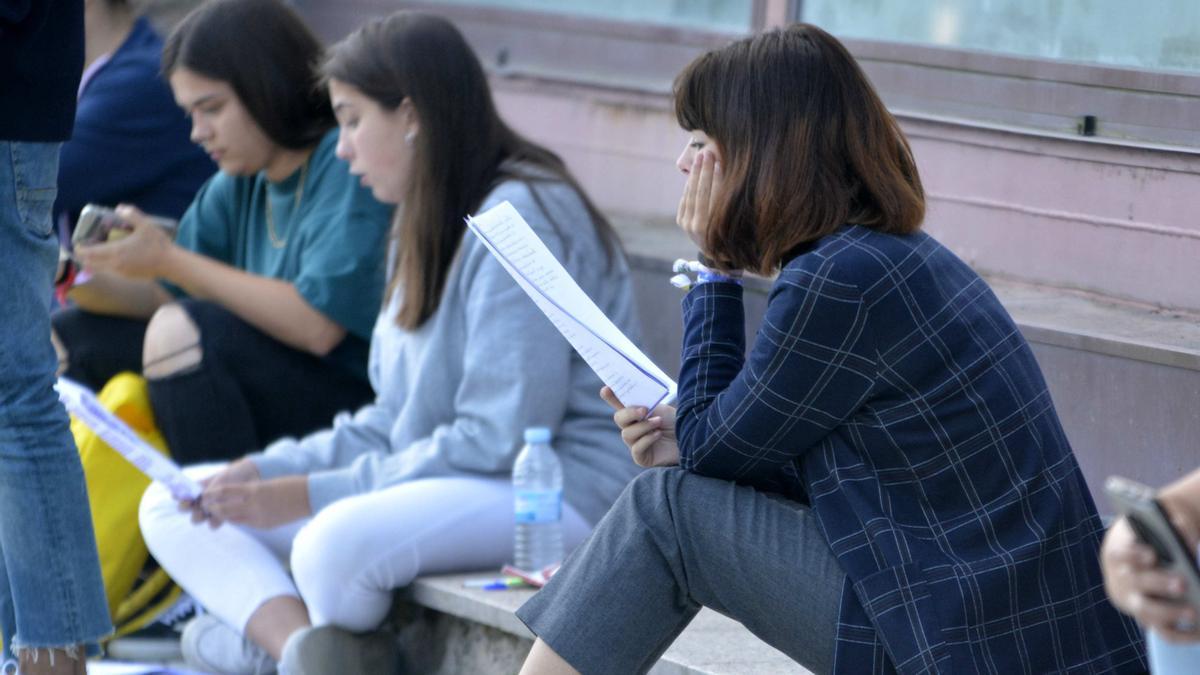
(1152, 525)
(98, 224)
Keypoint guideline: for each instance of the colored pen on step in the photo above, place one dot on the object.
(497, 584)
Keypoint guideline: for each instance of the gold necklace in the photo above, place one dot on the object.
(276, 240)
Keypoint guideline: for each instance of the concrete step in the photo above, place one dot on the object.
(445, 628)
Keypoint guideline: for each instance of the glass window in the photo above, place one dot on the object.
(732, 16)
(1160, 35)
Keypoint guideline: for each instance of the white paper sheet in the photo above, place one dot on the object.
(82, 403)
(632, 376)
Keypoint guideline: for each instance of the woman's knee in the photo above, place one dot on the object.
(652, 485)
(310, 549)
(654, 496)
(158, 509)
(159, 512)
(334, 547)
(334, 557)
(657, 479)
(172, 342)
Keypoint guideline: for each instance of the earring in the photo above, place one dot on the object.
(408, 138)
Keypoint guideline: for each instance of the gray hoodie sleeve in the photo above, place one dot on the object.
(363, 432)
(515, 369)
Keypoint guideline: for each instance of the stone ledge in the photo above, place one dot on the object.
(711, 645)
(1076, 321)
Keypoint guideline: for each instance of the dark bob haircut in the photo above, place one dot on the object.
(806, 145)
(266, 53)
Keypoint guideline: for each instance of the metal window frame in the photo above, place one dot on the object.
(1152, 109)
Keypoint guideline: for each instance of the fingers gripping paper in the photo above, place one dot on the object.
(631, 375)
(82, 403)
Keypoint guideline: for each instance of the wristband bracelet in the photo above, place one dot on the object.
(708, 276)
(704, 275)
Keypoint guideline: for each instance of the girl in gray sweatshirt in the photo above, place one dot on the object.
(416, 482)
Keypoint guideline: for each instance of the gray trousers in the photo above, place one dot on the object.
(675, 542)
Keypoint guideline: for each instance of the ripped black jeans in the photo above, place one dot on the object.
(248, 389)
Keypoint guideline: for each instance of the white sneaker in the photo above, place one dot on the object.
(215, 647)
(328, 649)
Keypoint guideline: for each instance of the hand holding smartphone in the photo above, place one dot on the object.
(1151, 524)
(99, 224)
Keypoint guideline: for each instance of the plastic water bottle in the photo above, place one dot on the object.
(537, 493)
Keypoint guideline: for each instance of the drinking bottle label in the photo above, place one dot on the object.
(538, 506)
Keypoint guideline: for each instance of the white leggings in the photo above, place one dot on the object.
(347, 559)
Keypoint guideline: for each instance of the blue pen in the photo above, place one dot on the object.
(496, 584)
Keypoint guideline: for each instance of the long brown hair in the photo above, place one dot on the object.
(463, 151)
(806, 146)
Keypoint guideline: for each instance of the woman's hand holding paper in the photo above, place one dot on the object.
(651, 440)
(261, 504)
(234, 473)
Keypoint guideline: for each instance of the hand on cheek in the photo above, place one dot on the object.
(699, 197)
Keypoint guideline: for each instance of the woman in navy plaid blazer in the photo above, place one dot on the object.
(882, 484)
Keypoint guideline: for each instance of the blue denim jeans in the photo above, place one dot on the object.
(51, 592)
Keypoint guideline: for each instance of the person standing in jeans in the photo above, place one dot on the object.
(51, 597)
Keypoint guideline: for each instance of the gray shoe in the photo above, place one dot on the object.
(327, 649)
(215, 647)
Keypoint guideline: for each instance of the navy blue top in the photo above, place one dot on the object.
(131, 141)
(889, 388)
(41, 59)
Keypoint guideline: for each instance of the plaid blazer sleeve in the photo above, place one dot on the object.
(812, 366)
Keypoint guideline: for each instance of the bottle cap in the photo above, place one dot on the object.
(537, 435)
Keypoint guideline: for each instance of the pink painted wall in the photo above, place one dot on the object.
(622, 148)
(1117, 221)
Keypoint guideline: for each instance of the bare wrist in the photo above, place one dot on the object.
(300, 501)
(170, 262)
